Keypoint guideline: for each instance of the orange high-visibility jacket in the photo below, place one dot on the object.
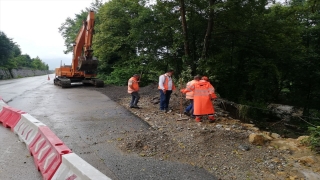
(165, 84)
(132, 82)
(189, 95)
(203, 93)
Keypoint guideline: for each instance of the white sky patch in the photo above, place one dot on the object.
(33, 25)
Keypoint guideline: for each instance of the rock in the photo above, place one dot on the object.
(280, 173)
(255, 129)
(251, 127)
(307, 160)
(257, 139)
(285, 144)
(219, 126)
(244, 147)
(282, 111)
(276, 160)
(147, 118)
(302, 138)
(248, 125)
(266, 133)
(275, 136)
(155, 101)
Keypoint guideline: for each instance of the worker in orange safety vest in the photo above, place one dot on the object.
(189, 95)
(166, 86)
(133, 89)
(203, 94)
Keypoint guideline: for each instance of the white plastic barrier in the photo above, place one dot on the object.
(74, 167)
(27, 128)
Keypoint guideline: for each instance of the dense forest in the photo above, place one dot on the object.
(255, 52)
(11, 57)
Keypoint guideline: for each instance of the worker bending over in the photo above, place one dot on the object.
(203, 93)
(189, 95)
(133, 89)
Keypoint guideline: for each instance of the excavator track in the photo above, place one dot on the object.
(63, 82)
(98, 83)
(95, 82)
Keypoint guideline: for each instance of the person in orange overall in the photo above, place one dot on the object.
(189, 95)
(203, 94)
(133, 89)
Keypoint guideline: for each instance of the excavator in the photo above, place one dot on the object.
(84, 64)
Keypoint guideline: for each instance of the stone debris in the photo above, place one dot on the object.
(228, 148)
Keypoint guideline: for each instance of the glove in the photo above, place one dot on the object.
(213, 96)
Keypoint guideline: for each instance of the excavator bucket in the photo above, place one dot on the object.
(87, 64)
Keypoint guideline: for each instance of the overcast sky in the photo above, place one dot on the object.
(33, 25)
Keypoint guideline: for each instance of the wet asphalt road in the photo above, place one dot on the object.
(90, 124)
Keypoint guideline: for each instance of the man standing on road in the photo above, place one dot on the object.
(133, 89)
(189, 95)
(166, 86)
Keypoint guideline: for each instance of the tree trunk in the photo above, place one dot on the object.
(209, 30)
(184, 28)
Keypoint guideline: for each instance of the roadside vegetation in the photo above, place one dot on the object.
(256, 53)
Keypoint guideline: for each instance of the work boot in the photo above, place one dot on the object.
(198, 119)
(186, 113)
(211, 119)
(136, 106)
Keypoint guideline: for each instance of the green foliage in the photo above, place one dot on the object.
(70, 28)
(243, 112)
(254, 111)
(258, 53)
(38, 64)
(186, 75)
(6, 49)
(314, 138)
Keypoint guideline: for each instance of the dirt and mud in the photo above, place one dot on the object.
(222, 148)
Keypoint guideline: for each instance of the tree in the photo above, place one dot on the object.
(207, 37)
(70, 28)
(304, 86)
(184, 28)
(6, 49)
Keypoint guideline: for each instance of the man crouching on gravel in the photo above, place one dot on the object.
(133, 89)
